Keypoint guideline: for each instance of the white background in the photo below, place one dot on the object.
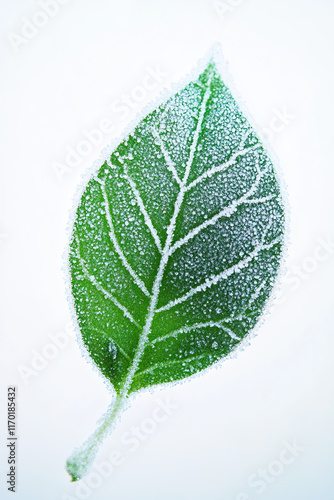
(235, 420)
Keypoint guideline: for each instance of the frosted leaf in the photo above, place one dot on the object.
(176, 243)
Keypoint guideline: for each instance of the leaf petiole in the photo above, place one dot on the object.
(81, 459)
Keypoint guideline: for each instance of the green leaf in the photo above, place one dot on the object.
(176, 245)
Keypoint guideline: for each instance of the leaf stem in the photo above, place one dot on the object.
(82, 458)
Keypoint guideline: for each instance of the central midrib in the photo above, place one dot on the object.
(166, 251)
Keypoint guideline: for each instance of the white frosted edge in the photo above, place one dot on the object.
(214, 53)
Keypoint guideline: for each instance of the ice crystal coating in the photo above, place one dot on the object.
(177, 240)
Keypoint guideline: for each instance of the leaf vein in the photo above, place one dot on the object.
(165, 253)
(186, 329)
(170, 163)
(117, 247)
(221, 168)
(143, 210)
(174, 361)
(217, 278)
(100, 288)
(242, 315)
(226, 212)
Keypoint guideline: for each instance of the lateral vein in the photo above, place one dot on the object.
(99, 287)
(170, 163)
(219, 323)
(172, 362)
(221, 168)
(226, 212)
(216, 279)
(186, 329)
(139, 282)
(143, 210)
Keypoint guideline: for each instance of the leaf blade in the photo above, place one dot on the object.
(183, 194)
